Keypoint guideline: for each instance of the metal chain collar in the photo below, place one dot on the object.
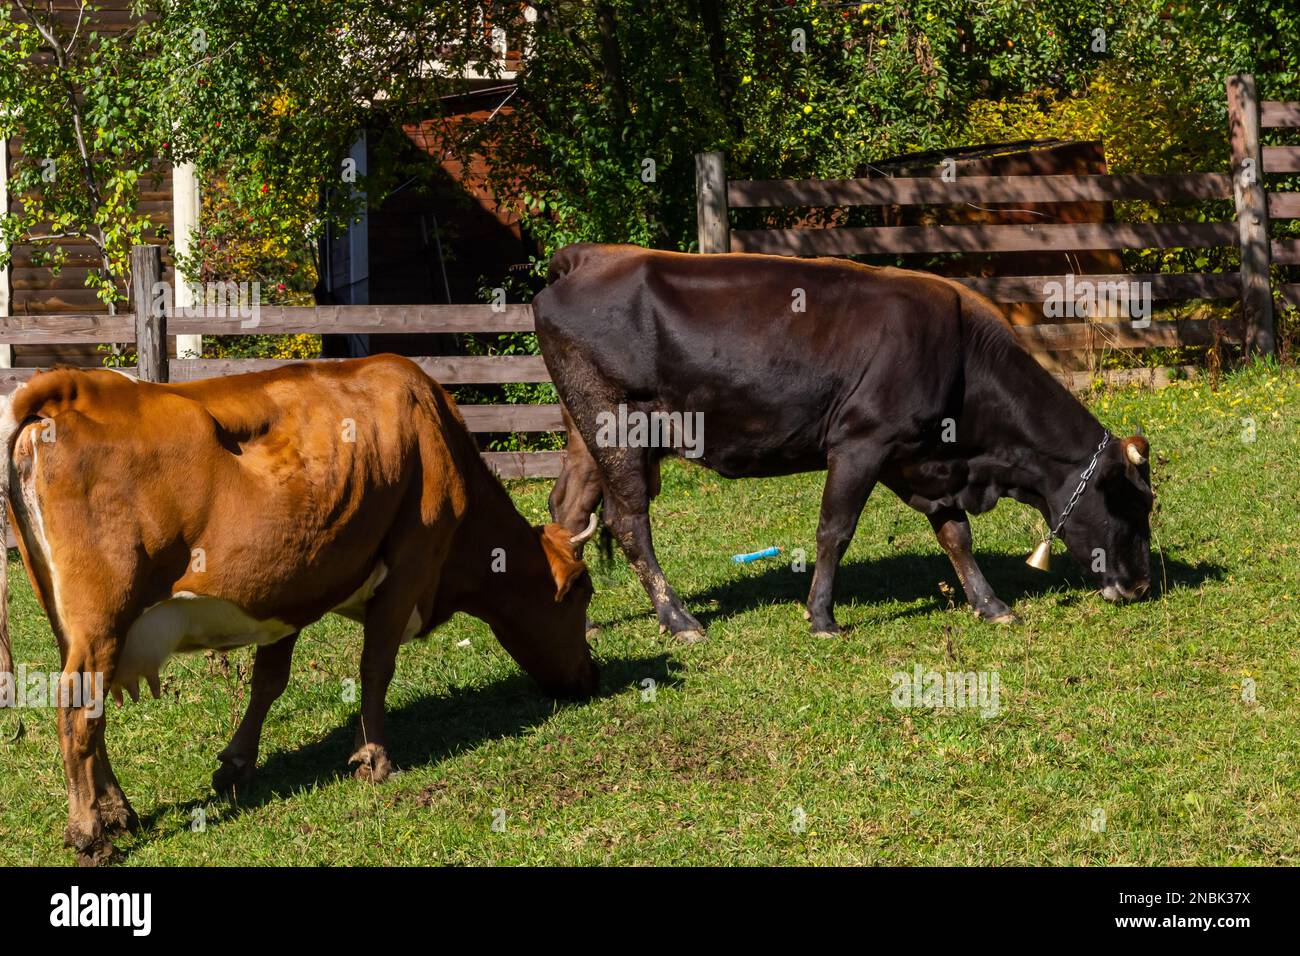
(1083, 483)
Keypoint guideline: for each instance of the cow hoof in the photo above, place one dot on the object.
(102, 853)
(826, 627)
(119, 819)
(93, 847)
(234, 772)
(691, 636)
(372, 763)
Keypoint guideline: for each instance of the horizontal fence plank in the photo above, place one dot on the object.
(974, 189)
(1151, 377)
(66, 329)
(1281, 159)
(1068, 337)
(1274, 114)
(895, 240)
(359, 319)
(11, 378)
(69, 327)
(1164, 286)
(1284, 205)
(486, 369)
(448, 370)
(1285, 252)
(1289, 294)
(513, 418)
(525, 464)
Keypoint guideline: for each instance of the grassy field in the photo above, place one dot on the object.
(1134, 716)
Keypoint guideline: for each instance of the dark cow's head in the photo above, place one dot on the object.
(1109, 532)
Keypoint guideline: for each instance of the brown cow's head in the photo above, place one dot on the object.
(566, 668)
(1109, 532)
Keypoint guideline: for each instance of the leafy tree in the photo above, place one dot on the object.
(265, 98)
(616, 96)
(822, 89)
(83, 105)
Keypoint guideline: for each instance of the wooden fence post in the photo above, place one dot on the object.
(1252, 213)
(150, 323)
(711, 203)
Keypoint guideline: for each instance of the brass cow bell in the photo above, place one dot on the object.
(1041, 559)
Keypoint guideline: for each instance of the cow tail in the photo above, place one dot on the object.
(8, 427)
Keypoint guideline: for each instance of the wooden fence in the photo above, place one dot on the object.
(1281, 205)
(149, 332)
(1248, 231)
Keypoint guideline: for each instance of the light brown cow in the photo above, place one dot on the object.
(156, 519)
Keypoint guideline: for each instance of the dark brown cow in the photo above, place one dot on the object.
(156, 519)
(875, 375)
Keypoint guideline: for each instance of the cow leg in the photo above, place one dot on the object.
(850, 477)
(114, 809)
(383, 639)
(577, 491)
(574, 499)
(270, 678)
(952, 528)
(629, 478)
(81, 739)
(627, 512)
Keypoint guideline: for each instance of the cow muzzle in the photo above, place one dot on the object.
(1118, 594)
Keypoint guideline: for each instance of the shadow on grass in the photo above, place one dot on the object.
(914, 577)
(420, 734)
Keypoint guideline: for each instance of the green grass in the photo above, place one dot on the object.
(1137, 711)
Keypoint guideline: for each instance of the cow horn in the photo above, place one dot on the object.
(583, 538)
(1133, 455)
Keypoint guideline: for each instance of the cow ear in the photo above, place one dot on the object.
(1136, 450)
(1130, 463)
(560, 555)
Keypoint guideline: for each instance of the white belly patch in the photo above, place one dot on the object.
(194, 622)
(187, 622)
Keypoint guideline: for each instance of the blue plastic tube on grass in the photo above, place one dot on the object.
(756, 555)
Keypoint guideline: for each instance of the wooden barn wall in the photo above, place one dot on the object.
(477, 241)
